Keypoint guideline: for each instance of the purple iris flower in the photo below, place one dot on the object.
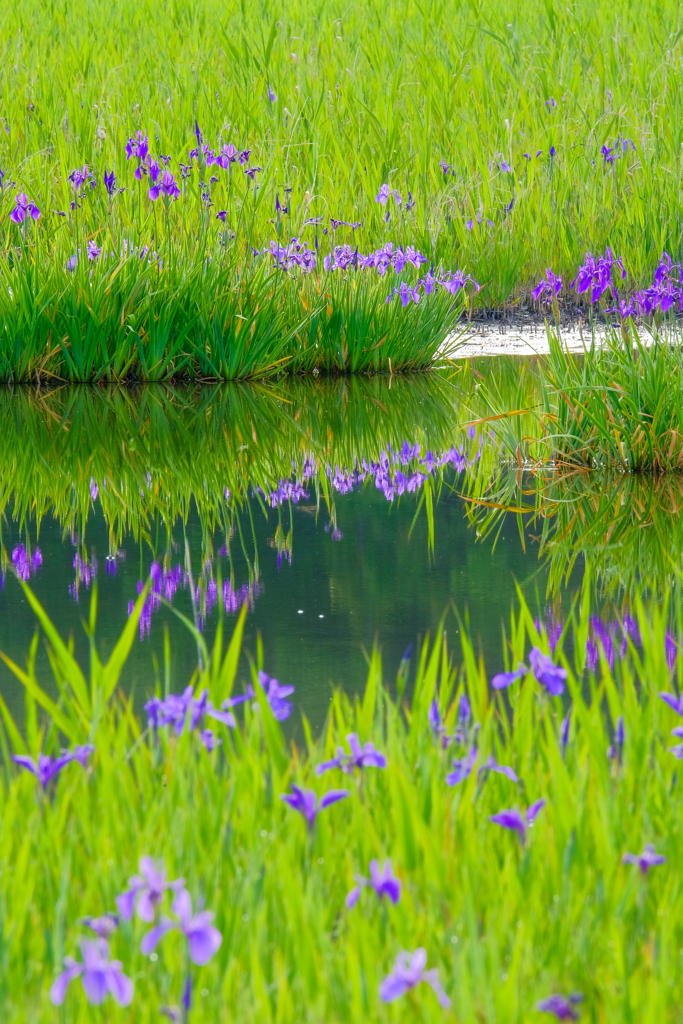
(23, 207)
(616, 751)
(24, 565)
(517, 822)
(360, 757)
(167, 188)
(408, 972)
(110, 183)
(492, 766)
(550, 676)
(462, 769)
(645, 860)
(275, 695)
(561, 1007)
(547, 287)
(227, 156)
(203, 940)
(46, 769)
(381, 879)
(597, 274)
(385, 192)
(674, 702)
(251, 172)
(406, 293)
(305, 801)
(102, 926)
(99, 975)
(503, 679)
(552, 152)
(271, 95)
(80, 177)
(137, 146)
(146, 891)
(93, 250)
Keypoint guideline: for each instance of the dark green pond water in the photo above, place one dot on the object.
(180, 484)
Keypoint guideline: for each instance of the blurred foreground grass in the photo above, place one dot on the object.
(505, 923)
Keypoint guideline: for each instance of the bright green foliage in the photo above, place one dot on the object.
(367, 95)
(505, 924)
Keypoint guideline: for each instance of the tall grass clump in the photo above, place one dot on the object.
(451, 772)
(619, 407)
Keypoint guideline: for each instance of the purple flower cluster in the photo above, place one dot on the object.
(552, 629)
(665, 291)
(384, 258)
(392, 482)
(165, 583)
(294, 254)
(287, 490)
(145, 895)
(345, 258)
(450, 282)
(86, 572)
(596, 275)
(500, 164)
(616, 151)
(184, 711)
(605, 636)
(359, 758)
(24, 566)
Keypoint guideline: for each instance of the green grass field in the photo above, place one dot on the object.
(332, 103)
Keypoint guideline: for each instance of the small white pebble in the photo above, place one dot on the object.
(153, 957)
